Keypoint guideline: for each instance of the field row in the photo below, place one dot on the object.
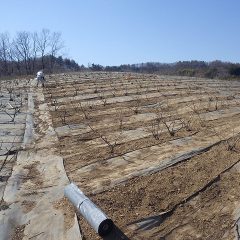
(159, 142)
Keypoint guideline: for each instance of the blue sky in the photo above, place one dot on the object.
(111, 32)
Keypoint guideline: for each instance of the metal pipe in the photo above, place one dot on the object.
(94, 216)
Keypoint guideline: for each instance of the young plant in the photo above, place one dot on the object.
(10, 91)
(196, 109)
(13, 115)
(9, 151)
(111, 144)
(63, 115)
(136, 105)
(77, 89)
(84, 111)
(231, 142)
(186, 123)
(103, 99)
(156, 129)
(120, 116)
(170, 125)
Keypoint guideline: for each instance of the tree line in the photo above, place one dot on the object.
(214, 69)
(28, 52)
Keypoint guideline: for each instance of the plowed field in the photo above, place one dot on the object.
(159, 154)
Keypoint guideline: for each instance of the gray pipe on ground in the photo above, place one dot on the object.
(94, 216)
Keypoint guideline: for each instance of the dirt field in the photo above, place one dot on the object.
(13, 100)
(159, 154)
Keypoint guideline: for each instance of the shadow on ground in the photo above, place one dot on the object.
(116, 234)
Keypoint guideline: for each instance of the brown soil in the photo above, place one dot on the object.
(33, 174)
(18, 233)
(160, 192)
(194, 199)
(103, 153)
(28, 205)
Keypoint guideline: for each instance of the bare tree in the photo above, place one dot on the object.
(27, 51)
(15, 57)
(22, 45)
(55, 44)
(34, 50)
(4, 51)
(43, 41)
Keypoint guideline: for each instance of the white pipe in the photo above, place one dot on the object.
(94, 216)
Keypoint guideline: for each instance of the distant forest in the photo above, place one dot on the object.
(215, 69)
(28, 52)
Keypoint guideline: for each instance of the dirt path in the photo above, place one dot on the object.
(33, 197)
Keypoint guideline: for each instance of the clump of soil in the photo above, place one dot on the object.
(33, 174)
(18, 233)
(28, 205)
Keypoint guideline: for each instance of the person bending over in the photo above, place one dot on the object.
(40, 78)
